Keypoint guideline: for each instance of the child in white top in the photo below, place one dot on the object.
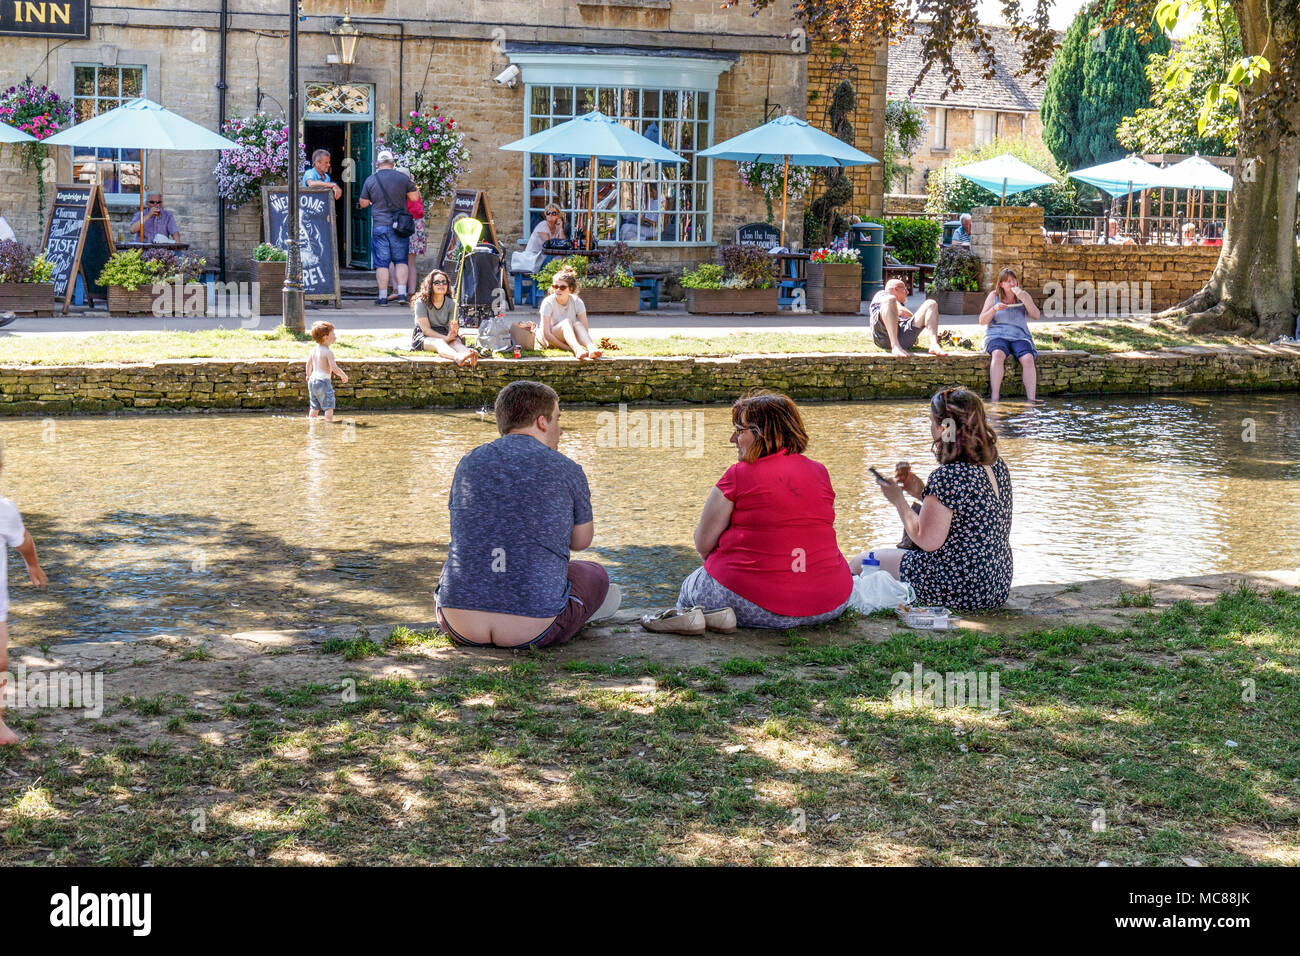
(564, 318)
(13, 535)
(320, 367)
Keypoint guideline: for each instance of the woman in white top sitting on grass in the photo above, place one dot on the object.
(564, 318)
(436, 328)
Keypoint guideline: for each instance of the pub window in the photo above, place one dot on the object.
(636, 202)
(940, 128)
(985, 126)
(97, 89)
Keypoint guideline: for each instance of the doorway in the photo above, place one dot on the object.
(340, 118)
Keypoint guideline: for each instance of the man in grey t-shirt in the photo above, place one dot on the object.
(385, 192)
(518, 507)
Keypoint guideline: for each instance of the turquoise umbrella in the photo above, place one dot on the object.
(786, 140)
(11, 134)
(1196, 174)
(599, 137)
(140, 124)
(1005, 174)
(1121, 177)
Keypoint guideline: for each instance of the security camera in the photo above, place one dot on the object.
(507, 77)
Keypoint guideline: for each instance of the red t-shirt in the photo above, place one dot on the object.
(780, 550)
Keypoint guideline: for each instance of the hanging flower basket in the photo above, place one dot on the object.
(767, 179)
(261, 160)
(431, 149)
(40, 111)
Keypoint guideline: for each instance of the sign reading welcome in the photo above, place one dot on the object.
(45, 18)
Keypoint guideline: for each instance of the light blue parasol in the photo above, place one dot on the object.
(1005, 174)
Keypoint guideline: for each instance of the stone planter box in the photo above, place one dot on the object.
(960, 303)
(731, 301)
(615, 300)
(834, 287)
(27, 298)
(270, 278)
(141, 302)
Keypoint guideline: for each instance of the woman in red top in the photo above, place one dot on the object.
(767, 534)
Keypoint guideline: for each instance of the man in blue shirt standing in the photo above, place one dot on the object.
(518, 507)
(320, 172)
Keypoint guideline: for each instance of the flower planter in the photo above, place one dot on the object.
(730, 301)
(270, 278)
(27, 298)
(610, 300)
(143, 301)
(834, 287)
(960, 303)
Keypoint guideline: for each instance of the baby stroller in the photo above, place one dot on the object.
(476, 278)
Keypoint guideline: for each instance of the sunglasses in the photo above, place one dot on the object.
(154, 202)
(439, 282)
(559, 288)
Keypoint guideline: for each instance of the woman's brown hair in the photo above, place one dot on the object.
(964, 431)
(567, 275)
(775, 421)
(1002, 277)
(425, 294)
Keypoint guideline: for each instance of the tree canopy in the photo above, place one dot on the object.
(1098, 78)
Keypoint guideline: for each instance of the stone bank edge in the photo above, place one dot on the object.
(232, 384)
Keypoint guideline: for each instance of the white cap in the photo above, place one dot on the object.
(385, 156)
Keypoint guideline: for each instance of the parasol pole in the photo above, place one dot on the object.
(1004, 190)
(591, 215)
(785, 188)
(141, 189)
(1129, 215)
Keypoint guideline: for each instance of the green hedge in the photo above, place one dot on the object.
(914, 239)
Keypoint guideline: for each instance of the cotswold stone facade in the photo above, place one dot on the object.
(1012, 236)
(207, 384)
(865, 66)
(448, 51)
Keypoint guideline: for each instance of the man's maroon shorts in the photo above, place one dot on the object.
(588, 585)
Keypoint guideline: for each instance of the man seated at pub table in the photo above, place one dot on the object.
(157, 222)
(319, 174)
(962, 233)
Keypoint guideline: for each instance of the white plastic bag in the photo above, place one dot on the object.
(877, 590)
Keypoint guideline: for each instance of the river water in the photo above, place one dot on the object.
(208, 524)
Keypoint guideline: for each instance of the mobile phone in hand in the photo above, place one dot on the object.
(879, 477)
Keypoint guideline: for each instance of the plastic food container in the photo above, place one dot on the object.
(928, 618)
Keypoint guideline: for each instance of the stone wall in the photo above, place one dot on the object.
(905, 204)
(864, 65)
(424, 383)
(1116, 280)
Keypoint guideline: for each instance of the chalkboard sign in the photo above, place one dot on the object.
(77, 239)
(473, 203)
(320, 261)
(758, 234)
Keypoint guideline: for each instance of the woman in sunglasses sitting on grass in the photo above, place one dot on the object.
(961, 537)
(564, 318)
(436, 328)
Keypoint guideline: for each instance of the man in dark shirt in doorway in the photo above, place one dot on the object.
(385, 192)
(518, 507)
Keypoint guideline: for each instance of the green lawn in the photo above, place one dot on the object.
(1172, 738)
(1102, 336)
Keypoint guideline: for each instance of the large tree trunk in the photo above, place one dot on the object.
(1255, 288)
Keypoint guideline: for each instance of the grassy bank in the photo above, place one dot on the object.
(1137, 745)
(78, 349)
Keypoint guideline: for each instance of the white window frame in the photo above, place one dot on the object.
(992, 126)
(114, 199)
(940, 139)
(622, 72)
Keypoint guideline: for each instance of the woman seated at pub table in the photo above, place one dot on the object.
(436, 328)
(962, 534)
(551, 227)
(767, 532)
(1189, 234)
(157, 222)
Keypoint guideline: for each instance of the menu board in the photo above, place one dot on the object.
(758, 234)
(320, 261)
(77, 240)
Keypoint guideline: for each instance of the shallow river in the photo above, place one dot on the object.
(213, 524)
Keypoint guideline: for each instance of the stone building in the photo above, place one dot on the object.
(1004, 105)
(690, 73)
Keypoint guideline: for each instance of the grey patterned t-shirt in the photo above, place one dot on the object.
(514, 504)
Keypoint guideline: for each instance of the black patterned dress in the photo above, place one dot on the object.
(972, 568)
